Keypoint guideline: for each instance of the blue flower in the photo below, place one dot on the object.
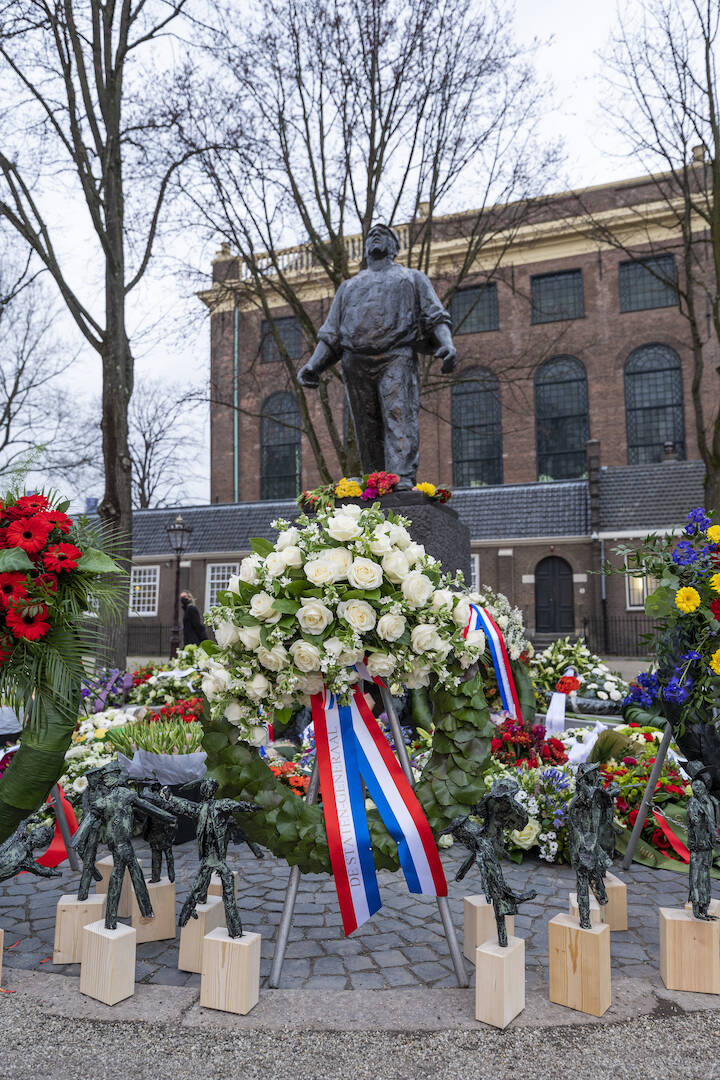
(555, 777)
(697, 521)
(676, 692)
(684, 553)
(691, 655)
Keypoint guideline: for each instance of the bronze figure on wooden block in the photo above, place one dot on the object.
(499, 811)
(159, 834)
(702, 833)
(16, 854)
(215, 828)
(378, 323)
(589, 838)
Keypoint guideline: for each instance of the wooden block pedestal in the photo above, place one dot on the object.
(713, 907)
(104, 867)
(615, 913)
(230, 978)
(480, 925)
(499, 981)
(2, 935)
(596, 910)
(579, 965)
(216, 885)
(107, 969)
(192, 935)
(689, 952)
(72, 915)
(162, 898)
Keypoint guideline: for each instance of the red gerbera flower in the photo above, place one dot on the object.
(715, 608)
(28, 621)
(58, 520)
(30, 534)
(6, 648)
(13, 587)
(62, 557)
(48, 582)
(28, 505)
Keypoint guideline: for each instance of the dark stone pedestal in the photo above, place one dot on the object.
(433, 524)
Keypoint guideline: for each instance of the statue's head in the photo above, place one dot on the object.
(382, 242)
(699, 788)
(208, 788)
(588, 775)
(113, 774)
(40, 837)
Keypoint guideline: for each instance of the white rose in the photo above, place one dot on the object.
(320, 571)
(305, 656)
(215, 682)
(399, 536)
(249, 569)
(313, 616)
(333, 646)
(250, 637)
(343, 526)
(461, 612)
(350, 657)
(291, 556)
(476, 638)
(417, 588)
(391, 627)
(311, 683)
(380, 664)
(380, 542)
(275, 564)
(414, 553)
(274, 659)
(395, 567)
(442, 598)
(351, 509)
(420, 676)
(365, 574)
(226, 633)
(257, 688)
(261, 607)
(234, 710)
(358, 614)
(525, 838)
(256, 735)
(234, 584)
(287, 538)
(341, 559)
(424, 638)
(602, 695)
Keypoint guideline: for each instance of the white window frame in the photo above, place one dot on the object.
(147, 572)
(474, 571)
(233, 567)
(649, 584)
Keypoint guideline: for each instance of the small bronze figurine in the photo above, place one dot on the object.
(87, 845)
(16, 854)
(587, 829)
(499, 810)
(214, 825)
(702, 832)
(113, 810)
(159, 835)
(608, 830)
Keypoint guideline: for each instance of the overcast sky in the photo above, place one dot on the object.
(578, 29)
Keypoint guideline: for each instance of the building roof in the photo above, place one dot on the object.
(632, 497)
(649, 497)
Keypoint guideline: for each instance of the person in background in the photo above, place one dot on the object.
(10, 726)
(193, 627)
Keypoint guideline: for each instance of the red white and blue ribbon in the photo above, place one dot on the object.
(481, 619)
(349, 745)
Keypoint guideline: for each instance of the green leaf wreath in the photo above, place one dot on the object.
(54, 578)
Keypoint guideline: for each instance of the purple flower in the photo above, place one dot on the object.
(629, 761)
(684, 553)
(691, 655)
(697, 520)
(369, 493)
(676, 692)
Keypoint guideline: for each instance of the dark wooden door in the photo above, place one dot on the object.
(554, 612)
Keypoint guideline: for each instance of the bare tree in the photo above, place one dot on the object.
(664, 80)
(77, 108)
(353, 110)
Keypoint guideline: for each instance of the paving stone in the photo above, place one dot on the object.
(400, 976)
(301, 949)
(389, 958)
(430, 971)
(327, 982)
(418, 953)
(358, 963)
(367, 980)
(328, 965)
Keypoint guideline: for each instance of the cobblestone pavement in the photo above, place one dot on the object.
(401, 946)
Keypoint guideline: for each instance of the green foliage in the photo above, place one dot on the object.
(157, 736)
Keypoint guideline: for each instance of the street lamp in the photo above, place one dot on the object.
(178, 534)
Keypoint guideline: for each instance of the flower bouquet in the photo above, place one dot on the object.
(514, 744)
(154, 748)
(595, 681)
(371, 486)
(52, 571)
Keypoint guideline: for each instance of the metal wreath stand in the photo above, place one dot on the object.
(286, 919)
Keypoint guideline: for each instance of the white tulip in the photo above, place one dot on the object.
(476, 638)
(256, 735)
(274, 659)
(391, 627)
(417, 588)
(365, 574)
(395, 567)
(320, 571)
(343, 527)
(351, 509)
(358, 614)
(380, 542)
(420, 676)
(234, 711)
(305, 656)
(287, 538)
(333, 646)
(249, 569)
(234, 584)
(249, 636)
(380, 664)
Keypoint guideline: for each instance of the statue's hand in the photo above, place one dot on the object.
(448, 355)
(308, 377)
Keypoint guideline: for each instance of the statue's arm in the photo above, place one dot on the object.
(435, 321)
(41, 871)
(153, 811)
(327, 350)
(180, 806)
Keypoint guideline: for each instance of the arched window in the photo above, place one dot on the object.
(280, 432)
(476, 431)
(562, 426)
(653, 403)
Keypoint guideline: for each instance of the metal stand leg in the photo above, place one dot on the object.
(442, 901)
(64, 829)
(647, 797)
(288, 910)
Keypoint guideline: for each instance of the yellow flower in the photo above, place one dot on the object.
(687, 599)
(715, 582)
(348, 489)
(100, 733)
(428, 489)
(715, 662)
(713, 534)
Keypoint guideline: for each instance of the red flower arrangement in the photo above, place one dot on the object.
(289, 773)
(61, 557)
(13, 587)
(515, 745)
(28, 621)
(144, 674)
(188, 709)
(30, 534)
(568, 684)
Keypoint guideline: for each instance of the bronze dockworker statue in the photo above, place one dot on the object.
(378, 322)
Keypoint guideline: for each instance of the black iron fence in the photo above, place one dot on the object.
(149, 640)
(618, 635)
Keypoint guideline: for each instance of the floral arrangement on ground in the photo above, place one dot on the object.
(368, 487)
(346, 587)
(595, 678)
